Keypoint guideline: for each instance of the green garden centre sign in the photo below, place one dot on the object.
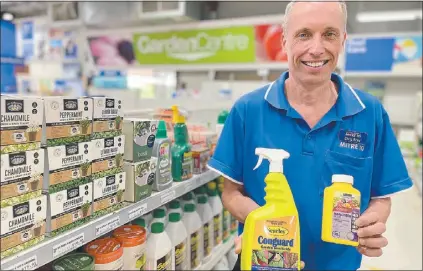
(219, 45)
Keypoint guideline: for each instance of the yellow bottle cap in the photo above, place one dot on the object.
(177, 117)
(211, 185)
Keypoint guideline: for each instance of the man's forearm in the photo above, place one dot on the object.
(382, 207)
(239, 205)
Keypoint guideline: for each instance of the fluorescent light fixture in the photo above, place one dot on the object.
(7, 16)
(387, 16)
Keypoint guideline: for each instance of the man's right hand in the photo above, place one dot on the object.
(238, 245)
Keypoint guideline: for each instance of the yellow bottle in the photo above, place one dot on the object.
(271, 238)
(341, 207)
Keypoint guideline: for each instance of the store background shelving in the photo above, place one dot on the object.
(53, 248)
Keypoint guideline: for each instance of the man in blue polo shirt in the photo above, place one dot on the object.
(317, 117)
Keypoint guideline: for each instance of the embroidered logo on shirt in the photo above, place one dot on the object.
(352, 140)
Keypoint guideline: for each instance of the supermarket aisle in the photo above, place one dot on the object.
(404, 232)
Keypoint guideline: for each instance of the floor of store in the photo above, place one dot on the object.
(404, 233)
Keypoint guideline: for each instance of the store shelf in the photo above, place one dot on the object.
(217, 254)
(53, 248)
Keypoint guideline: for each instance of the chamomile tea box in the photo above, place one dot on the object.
(23, 223)
(21, 173)
(108, 193)
(107, 155)
(140, 177)
(21, 123)
(67, 163)
(67, 120)
(69, 207)
(107, 117)
(140, 135)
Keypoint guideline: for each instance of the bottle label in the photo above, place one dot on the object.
(140, 264)
(180, 256)
(206, 241)
(195, 261)
(165, 262)
(164, 163)
(226, 224)
(276, 244)
(346, 209)
(187, 166)
(217, 227)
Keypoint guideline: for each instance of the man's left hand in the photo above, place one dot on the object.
(371, 226)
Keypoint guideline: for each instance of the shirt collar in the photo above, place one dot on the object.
(347, 104)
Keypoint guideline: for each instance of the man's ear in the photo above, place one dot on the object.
(344, 39)
(283, 41)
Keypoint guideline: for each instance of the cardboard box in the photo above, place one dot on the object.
(201, 156)
(108, 193)
(21, 173)
(140, 135)
(107, 116)
(21, 123)
(139, 179)
(107, 155)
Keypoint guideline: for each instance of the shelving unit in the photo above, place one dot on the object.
(217, 254)
(53, 248)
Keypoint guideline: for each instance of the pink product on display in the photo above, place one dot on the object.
(112, 51)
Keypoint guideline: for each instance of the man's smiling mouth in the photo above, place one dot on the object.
(315, 64)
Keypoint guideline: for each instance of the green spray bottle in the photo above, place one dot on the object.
(161, 150)
(182, 162)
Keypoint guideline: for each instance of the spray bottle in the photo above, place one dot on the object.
(161, 150)
(271, 237)
(182, 163)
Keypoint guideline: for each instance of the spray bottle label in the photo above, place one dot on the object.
(206, 240)
(164, 164)
(187, 166)
(346, 210)
(275, 246)
(217, 226)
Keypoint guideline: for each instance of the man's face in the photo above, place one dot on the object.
(314, 38)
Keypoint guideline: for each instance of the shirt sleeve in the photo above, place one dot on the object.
(390, 173)
(227, 159)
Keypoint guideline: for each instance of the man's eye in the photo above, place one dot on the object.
(303, 35)
(331, 34)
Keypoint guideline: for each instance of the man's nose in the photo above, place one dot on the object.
(317, 49)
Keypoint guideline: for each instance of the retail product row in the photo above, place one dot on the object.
(68, 163)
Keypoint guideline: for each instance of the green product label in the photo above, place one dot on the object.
(74, 262)
(217, 226)
(187, 166)
(206, 241)
(140, 264)
(142, 192)
(234, 44)
(144, 137)
(163, 163)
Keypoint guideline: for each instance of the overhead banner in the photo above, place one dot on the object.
(232, 44)
(383, 54)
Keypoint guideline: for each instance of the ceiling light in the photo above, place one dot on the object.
(387, 16)
(7, 16)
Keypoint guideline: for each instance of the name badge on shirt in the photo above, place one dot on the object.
(352, 140)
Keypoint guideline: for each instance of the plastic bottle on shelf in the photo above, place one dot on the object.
(175, 207)
(226, 216)
(188, 198)
(178, 235)
(221, 118)
(140, 221)
(159, 215)
(206, 214)
(192, 222)
(161, 150)
(158, 249)
(217, 209)
(182, 162)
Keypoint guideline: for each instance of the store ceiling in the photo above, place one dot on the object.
(124, 14)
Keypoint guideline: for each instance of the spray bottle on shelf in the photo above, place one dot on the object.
(182, 162)
(341, 208)
(275, 223)
(161, 150)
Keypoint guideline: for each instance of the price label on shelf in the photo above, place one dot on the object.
(26, 264)
(107, 226)
(137, 211)
(68, 245)
(167, 196)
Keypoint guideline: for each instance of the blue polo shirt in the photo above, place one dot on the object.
(355, 137)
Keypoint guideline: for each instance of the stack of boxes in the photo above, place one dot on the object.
(108, 148)
(23, 207)
(67, 129)
(139, 165)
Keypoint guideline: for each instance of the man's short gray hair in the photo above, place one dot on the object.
(288, 8)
